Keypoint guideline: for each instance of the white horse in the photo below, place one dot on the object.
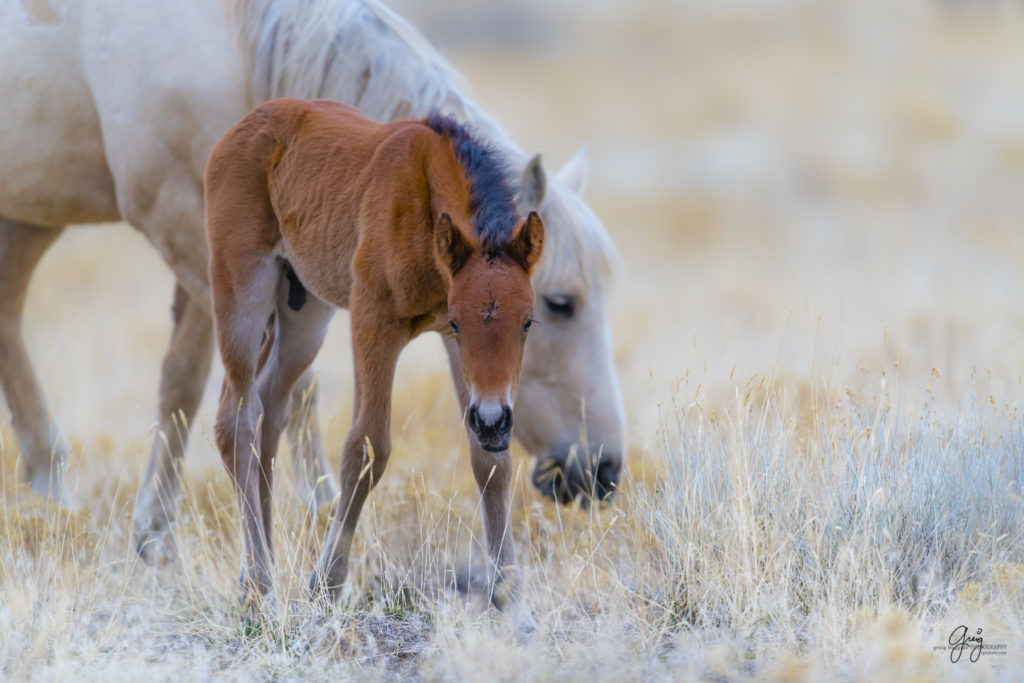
(110, 109)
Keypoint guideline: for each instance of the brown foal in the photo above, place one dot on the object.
(412, 226)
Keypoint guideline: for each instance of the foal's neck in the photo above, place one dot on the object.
(445, 183)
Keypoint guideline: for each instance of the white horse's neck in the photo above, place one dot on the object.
(359, 52)
(362, 53)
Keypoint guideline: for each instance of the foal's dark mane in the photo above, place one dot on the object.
(491, 194)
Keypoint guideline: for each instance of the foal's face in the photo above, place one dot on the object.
(490, 312)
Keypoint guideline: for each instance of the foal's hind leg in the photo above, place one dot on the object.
(182, 380)
(243, 301)
(296, 339)
(307, 445)
(43, 446)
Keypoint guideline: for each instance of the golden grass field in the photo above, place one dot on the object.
(817, 315)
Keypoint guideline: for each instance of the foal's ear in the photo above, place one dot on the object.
(452, 248)
(528, 243)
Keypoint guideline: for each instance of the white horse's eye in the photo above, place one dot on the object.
(455, 327)
(563, 305)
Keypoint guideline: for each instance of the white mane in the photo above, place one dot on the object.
(362, 53)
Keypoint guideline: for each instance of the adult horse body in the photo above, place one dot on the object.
(410, 225)
(110, 110)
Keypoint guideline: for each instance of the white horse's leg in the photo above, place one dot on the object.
(183, 375)
(44, 449)
(307, 445)
(173, 224)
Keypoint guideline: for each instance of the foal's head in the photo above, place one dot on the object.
(490, 311)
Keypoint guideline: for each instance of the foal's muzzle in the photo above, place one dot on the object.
(491, 421)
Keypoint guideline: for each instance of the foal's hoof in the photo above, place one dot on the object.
(260, 612)
(323, 588)
(154, 545)
(502, 597)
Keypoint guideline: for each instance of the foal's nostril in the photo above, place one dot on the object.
(490, 418)
(506, 420)
(491, 421)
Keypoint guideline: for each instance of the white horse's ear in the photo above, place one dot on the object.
(533, 185)
(574, 173)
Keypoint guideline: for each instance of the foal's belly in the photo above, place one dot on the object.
(53, 169)
(332, 283)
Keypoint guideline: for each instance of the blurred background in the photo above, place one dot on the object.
(827, 194)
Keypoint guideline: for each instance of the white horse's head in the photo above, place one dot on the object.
(570, 413)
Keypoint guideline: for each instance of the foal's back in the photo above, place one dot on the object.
(314, 182)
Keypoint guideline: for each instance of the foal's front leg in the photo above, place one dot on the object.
(377, 339)
(493, 473)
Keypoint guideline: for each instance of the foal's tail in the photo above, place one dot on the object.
(238, 206)
(243, 232)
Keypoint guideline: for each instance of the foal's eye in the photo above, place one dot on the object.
(563, 305)
(527, 325)
(455, 327)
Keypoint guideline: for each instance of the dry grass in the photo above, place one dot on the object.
(816, 324)
(779, 535)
